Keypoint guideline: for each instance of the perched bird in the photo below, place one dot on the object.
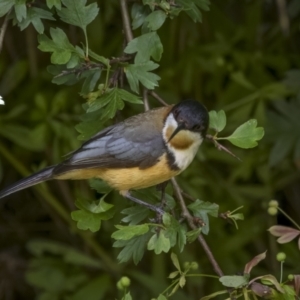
(142, 151)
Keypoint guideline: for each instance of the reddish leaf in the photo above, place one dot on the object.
(278, 230)
(297, 284)
(253, 262)
(260, 289)
(288, 237)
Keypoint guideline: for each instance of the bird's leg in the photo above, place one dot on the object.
(162, 187)
(127, 195)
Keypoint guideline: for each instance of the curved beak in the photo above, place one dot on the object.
(179, 127)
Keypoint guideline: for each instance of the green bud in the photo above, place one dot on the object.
(272, 211)
(291, 277)
(273, 203)
(186, 265)
(125, 281)
(120, 286)
(194, 265)
(281, 256)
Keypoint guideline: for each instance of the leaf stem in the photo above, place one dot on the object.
(287, 216)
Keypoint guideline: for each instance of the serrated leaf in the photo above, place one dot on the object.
(145, 46)
(192, 235)
(86, 220)
(100, 186)
(20, 10)
(134, 248)
(192, 8)
(234, 281)
(141, 73)
(114, 99)
(90, 81)
(60, 46)
(217, 120)
(138, 14)
(5, 6)
(130, 231)
(156, 19)
(246, 135)
(77, 14)
(34, 16)
(202, 209)
(54, 3)
(135, 214)
(159, 243)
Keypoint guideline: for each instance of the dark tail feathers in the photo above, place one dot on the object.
(31, 180)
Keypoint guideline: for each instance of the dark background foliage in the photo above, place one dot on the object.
(243, 58)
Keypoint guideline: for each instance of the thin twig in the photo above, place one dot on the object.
(283, 17)
(3, 29)
(221, 147)
(186, 214)
(126, 21)
(145, 99)
(116, 60)
(158, 98)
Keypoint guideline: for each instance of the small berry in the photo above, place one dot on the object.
(281, 256)
(194, 266)
(125, 281)
(273, 203)
(291, 277)
(187, 265)
(272, 211)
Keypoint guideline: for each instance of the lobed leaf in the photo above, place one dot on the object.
(246, 135)
(217, 120)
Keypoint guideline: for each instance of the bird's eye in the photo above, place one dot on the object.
(197, 127)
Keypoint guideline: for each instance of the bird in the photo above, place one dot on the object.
(144, 150)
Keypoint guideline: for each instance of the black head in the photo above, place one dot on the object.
(190, 115)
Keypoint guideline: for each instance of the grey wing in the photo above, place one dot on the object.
(120, 146)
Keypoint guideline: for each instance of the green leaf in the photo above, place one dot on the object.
(99, 58)
(100, 186)
(192, 235)
(5, 6)
(246, 135)
(113, 100)
(156, 19)
(161, 297)
(90, 81)
(128, 232)
(135, 214)
(60, 46)
(217, 120)
(147, 45)
(159, 243)
(20, 10)
(55, 3)
(134, 248)
(91, 213)
(127, 296)
(34, 16)
(140, 73)
(77, 14)
(138, 14)
(202, 209)
(241, 79)
(86, 220)
(192, 8)
(234, 281)
(175, 261)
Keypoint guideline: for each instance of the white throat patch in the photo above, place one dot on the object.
(183, 157)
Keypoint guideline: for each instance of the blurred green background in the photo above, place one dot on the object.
(243, 58)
